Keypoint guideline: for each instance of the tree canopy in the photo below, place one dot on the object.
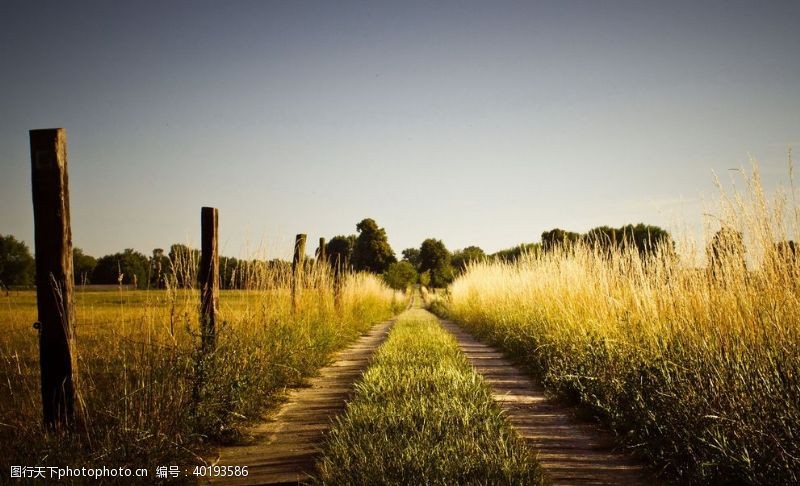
(371, 251)
(339, 250)
(435, 259)
(462, 258)
(17, 266)
(400, 275)
(132, 266)
(82, 266)
(411, 255)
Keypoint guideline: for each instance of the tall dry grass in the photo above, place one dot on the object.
(696, 367)
(143, 402)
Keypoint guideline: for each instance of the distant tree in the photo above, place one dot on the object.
(17, 266)
(435, 258)
(726, 253)
(513, 254)
(159, 268)
(228, 267)
(557, 237)
(82, 266)
(462, 258)
(411, 255)
(372, 251)
(647, 239)
(604, 238)
(339, 250)
(184, 265)
(128, 267)
(400, 275)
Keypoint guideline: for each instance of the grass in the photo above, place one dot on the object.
(422, 415)
(696, 368)
(142, 403)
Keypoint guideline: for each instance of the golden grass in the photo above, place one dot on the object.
(697, 368)
(142, 402)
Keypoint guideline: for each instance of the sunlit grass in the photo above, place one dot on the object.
(422, 415)
(697, 368)
(142, 401)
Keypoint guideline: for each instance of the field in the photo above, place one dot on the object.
(146, 399)
(691, 361)
(695, 368)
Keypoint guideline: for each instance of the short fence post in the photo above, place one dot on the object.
(321, 255)
(54, 279)
(297, 265)
(337, 283)
(209, 277)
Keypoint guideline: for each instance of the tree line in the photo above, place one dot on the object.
(368, 250)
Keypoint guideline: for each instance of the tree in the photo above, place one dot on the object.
(372, 252)
(557, 237)
(726, 253)
(435, 258)
(129, 267)
(647, 239)
(513, 254)
(17, 266)
(411, 255)
(159, 268)
(339, 250)
(400, 275)
(82, 266)
(184, 265)
(228, 267)
(462, 258)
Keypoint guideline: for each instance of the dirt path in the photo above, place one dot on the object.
(569, 451)
(285, 448)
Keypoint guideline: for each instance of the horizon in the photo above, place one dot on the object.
(474, 124)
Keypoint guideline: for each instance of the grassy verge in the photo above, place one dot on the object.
(697, 368)
(421, 415)
(142, 402)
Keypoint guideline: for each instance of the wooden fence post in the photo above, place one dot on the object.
(337, 283)
(209, 277)
(54, 280)
(322, 257)
(297, 261)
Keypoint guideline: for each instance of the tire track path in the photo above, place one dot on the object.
(569, 451)
(284, 449)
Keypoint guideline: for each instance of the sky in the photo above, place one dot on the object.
(478, 123)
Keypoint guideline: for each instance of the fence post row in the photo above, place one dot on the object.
(297, 265)
(209, 276)
(54, 279)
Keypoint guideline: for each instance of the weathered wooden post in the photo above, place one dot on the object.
(297, 265)
(321, 255)
(209, 277)
(337, 283)
(54, 280)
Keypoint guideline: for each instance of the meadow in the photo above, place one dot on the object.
(695, 367)
(146, 397)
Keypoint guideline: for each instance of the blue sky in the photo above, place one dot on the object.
(479, 123)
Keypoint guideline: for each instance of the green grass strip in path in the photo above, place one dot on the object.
(422, 415)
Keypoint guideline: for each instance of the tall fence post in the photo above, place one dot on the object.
(297, 265)
(209, 276)
(54, 280)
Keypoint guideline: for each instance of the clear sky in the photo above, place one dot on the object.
(480, 123)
